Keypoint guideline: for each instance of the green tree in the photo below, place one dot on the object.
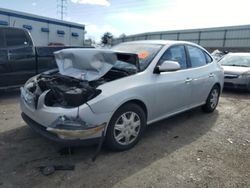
(107, 38)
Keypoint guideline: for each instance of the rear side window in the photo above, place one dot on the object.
(208, 58)
(175, 53)
(197, 56)
(15, 37)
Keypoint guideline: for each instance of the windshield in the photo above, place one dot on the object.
(236, 60)
(146, 52)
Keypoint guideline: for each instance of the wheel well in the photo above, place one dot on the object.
(139, 103)
(218, 84)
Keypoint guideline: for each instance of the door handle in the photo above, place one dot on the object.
(188, 80)
(211, 75)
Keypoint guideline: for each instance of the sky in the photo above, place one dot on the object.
(138, 16)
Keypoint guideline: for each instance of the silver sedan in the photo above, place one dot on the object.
(114, 94)
(236, 70)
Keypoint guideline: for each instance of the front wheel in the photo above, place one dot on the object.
(126, 127)
(212, 100)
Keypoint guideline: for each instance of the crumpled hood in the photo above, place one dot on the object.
(85, 64)
(235, 70)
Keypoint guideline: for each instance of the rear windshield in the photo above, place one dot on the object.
(145, 52)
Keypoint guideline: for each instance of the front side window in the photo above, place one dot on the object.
(175, 53)
(197, 56)
(15, 37)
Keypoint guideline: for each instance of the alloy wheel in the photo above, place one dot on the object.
(214, 98)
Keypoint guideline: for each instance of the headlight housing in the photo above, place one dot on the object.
(30, 82)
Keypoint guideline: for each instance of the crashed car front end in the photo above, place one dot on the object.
(59, 123)
(55, 103)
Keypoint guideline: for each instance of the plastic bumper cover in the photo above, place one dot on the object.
(67, 135)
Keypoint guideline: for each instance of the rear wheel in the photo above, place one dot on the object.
(126, 127)
(212, 100)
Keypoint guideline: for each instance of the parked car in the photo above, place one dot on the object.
(20, 59)
(236, 70)
(117, 93)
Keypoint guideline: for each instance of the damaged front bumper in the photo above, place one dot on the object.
(67, 135)
(74, 128)
(64, 125)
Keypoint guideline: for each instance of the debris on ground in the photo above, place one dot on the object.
(230, 140)
(48, 170)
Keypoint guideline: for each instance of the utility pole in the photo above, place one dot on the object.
(62, 7)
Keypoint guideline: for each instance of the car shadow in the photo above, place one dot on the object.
(23, 151)
(236, 94)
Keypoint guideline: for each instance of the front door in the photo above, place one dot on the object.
(172, 89)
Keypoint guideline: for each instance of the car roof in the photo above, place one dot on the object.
(163, 42)
(239, 54)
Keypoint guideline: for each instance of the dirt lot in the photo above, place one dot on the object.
(190, 150)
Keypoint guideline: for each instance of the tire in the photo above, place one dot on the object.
(125, 127)
(212, 100)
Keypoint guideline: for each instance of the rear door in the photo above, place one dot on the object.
(202, 74)
(21, 55)
(172, 89)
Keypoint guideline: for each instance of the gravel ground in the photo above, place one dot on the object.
(192, 149)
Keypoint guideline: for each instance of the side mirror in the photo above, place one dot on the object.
(168, 66)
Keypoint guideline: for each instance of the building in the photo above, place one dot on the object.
(233, 38)
(44, 30)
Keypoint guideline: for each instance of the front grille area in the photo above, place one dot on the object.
(231, 76)
(235, 86)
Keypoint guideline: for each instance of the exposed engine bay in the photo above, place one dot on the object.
(68, 91)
